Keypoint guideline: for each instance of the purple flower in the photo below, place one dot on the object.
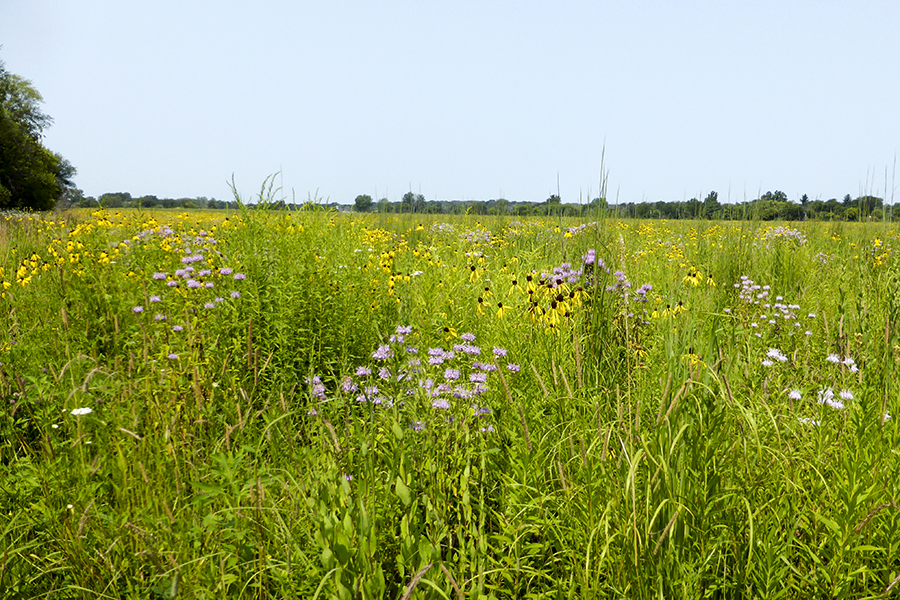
(794, 395)
(178, 328)
(209, 305)
(155, 299)
(235, 294)
(404, 329)
(383, 353)
(347, 385)
(468, 337)
(159, 317)
(173, 356)
(417, 425)
(478, 377)
(440, 403)
(384, 373)
(240, 276)
(138, 309)
(208, 284)
(513, 367)
(225, 271)
(363, 371)
(158, 276)
(451, 374)
(499, 352)
(193, 284)
(172, 283)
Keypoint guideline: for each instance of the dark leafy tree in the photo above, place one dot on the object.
(31, 176)
(363, 203)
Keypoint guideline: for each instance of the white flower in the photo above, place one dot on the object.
(806, 421)
(767, 363)
(833, 358)
(826, 397)
(794, 395)
(846, 395)
(776, 354)
(82, 411)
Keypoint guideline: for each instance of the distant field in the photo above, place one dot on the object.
(312, 404)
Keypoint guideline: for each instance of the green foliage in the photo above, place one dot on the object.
(644, 449)
(31, 177)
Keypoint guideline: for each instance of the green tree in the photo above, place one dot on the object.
(31, 176)
(711, 206)
(363, 203)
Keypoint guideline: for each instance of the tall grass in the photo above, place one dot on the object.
(375, 406)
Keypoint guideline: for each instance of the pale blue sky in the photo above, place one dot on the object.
(467, 99)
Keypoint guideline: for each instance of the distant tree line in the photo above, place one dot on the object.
(770, 206)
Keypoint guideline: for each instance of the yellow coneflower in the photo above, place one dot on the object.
(500, 310)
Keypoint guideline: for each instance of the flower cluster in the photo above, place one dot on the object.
(445, 383)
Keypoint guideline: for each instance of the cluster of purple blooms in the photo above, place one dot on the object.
(192, 277)
(777, 313)
(477, 236)
(444, 377)
(783, 233)
(564, 273)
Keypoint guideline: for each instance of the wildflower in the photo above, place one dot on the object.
(155, 299)
(159, 317)
(363, 371)
(833, 358)
(404, 329)
(225, 271)
(209, 305)
(172, 283)
(177, 328)
(193, 284)
(776, 354)
(794, 395)
(172, 356)
(499, 352)
(488, 429)
(417, 426)
(235, 295)
(384, 373)
(478, 377)
(846, 395)
(807, 421)
(468, 337)
(513, 367)
(138, 309)
(239, 276)
(384, 352)
(826, 397)
(159, 276)
(767, 363)
(451, 374)
(82, 411)
(440, 403)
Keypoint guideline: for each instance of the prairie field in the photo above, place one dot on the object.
(313, 404)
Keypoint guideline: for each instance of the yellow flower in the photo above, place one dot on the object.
(500, 310)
